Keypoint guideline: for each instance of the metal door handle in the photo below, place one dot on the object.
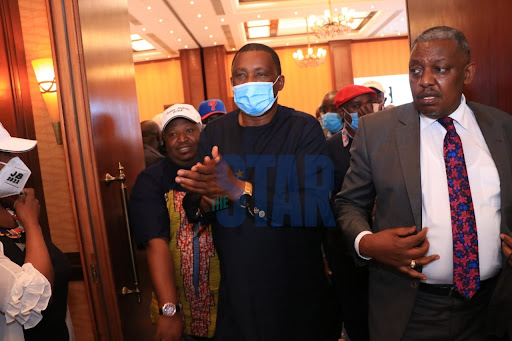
(122, 178)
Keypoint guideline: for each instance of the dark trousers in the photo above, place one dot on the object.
(448, 318)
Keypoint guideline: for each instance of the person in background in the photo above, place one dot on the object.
(331, 120)
(34, 274)
(151, 140)
(351, 282)
(273, 281)
(439, 173)
(211, 109)
(183, 264)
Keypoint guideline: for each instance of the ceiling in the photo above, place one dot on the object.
(172, 25)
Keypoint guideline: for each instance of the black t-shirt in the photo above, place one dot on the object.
(272, 275)
(149, 217)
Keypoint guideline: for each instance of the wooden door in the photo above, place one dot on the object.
(486, 27)
(97, 95)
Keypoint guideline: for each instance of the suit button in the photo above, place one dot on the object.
(414, 284)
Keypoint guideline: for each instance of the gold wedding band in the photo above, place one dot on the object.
(413, 264)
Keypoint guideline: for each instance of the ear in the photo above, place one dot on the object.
(469, 73)
(280, 83)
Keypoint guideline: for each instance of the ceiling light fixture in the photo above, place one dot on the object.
(310, 59)
(332, 25)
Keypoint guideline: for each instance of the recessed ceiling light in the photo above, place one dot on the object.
(206, 27)
(168, 56)
(211, 35)
(147, 58)
(149, 7)
(161, 20)
(144, 29)
(191, 2)
(186, 46)
(382, 34)
(171, 32)
(214, 43)
(259, 16)
(287, 44)
(233, 49)
(295, 12)
(199, 15)
(402, 19)
(222, 19)
(317, 42)
(179, 39)
(373, 6)
(399, 33)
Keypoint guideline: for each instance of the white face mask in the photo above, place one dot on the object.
(13, 177)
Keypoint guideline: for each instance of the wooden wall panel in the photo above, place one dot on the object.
(380, 57)
(486, 26)
(192, 74)
(61, 220)
(158, 84)
(341, 60)
(216, 74)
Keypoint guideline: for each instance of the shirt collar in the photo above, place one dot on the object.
(459, 115)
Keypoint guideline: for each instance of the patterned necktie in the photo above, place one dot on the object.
(466, 275)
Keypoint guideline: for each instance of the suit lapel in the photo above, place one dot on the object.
(494, 138)
(407, 136)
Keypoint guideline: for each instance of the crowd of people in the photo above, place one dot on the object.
(371, 221)
(266, 223)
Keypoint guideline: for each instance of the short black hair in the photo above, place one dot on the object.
(445, 32)
(259, 47)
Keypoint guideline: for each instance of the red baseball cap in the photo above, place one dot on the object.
(350, 91)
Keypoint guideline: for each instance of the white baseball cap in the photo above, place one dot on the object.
(14, 144)
(180, 111)
(374, 85)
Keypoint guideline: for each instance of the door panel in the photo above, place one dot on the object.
(101, 129)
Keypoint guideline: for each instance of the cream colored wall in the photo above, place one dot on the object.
(52, 161)
(304, 88)
(380, 57)
(158, 84)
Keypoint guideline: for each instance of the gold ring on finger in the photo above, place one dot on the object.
(413, 264)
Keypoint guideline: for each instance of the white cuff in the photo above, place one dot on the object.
(356, 243)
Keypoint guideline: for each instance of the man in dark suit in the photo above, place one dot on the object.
(435, 168)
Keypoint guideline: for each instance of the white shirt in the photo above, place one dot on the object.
(485, 192)
(24, 293)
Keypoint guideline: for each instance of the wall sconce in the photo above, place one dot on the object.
(45, 75)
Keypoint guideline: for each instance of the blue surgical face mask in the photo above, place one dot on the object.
(332, 121)
(255, 98)
(355, 119)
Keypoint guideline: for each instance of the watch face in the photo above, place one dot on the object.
(169, 309)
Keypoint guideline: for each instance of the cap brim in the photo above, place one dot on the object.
(17, 145)
(211, 113)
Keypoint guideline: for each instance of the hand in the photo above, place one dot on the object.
(506, 247)
(169, 328)
(27, 208)
(213, 178)
(397, 247)
(365, 109)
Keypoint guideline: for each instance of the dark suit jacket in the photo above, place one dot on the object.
(385, 166)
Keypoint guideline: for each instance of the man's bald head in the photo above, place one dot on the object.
(328, 103)
(151, 134)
